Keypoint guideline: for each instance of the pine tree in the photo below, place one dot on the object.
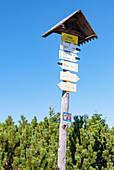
(35, 145)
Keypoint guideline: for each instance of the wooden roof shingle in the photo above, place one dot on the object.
(75, 24)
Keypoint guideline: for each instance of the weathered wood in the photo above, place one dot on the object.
(75, 24)
(73, 32)
(61, 23)
(87, 39)
(63, 133)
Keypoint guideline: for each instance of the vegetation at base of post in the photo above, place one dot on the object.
(35, 145)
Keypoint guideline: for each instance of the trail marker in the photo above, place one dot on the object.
(69, 38)
(67, 118)
(68, 56)
(68, 66)
(76, 25)
(67, 76)
(69, 47)
(66, 86)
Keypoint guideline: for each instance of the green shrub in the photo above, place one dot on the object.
(34, 145)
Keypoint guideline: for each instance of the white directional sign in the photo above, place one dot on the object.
(68, 76)
(68, 66)
(69, 47)
(67, 86)
(68, 56)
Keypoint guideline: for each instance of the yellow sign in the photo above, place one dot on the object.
(69, 38)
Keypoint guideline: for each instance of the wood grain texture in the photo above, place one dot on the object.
(63, 133)
(75, 24)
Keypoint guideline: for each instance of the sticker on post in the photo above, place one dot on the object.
(67, 118)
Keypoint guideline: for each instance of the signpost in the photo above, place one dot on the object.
(68, 66)
(67, 53)
(68, 56)
(68, 76)
(74, 29)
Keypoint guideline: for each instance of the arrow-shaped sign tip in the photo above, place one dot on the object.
(77, 58)
(59, 63)
(59, 85)
(78, 49)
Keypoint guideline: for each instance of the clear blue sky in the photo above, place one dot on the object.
(29, 73)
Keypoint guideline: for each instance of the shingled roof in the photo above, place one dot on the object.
(75, 24)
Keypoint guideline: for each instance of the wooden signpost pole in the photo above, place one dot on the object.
(63, 132)
(65, 106)
(70, 29)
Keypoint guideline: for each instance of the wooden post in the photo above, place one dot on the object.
(63, 132)
(73, 27)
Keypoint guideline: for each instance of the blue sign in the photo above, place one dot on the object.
(67, 118)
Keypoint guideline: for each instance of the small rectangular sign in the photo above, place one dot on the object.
(69, 38)
(69, 47)
(67, 118)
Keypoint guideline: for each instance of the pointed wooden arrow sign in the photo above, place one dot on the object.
(68, 56)
(68, 76)
(69, 47)
(68, 66)
(66, 86)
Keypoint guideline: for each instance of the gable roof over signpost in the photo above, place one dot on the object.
(75, 24)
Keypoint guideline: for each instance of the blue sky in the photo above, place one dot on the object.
(29, 73)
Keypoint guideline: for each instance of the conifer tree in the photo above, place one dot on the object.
(90, 144)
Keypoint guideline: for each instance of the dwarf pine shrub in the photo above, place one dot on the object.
(32, 146)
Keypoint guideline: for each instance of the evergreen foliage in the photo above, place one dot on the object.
(32, 146)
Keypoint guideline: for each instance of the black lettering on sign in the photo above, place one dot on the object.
(69, 37)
